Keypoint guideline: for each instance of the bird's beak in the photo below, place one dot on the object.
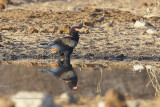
(74, 88)
(76, 29)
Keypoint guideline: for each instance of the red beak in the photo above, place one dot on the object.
(76, 29)
(74, 88)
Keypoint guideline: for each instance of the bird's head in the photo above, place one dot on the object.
(74, 31)
(72, 84)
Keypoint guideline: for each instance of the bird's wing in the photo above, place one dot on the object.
(67, 75)
(69, 42)
(51, 43)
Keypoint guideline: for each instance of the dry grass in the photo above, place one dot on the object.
(154, 80)
(99, 89)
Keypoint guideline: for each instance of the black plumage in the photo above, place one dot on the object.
(65, 45)
(65, 72)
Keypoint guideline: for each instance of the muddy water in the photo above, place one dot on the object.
(14, 78)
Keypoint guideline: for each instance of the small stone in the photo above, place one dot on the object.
(142, 24)
(5, 102)
(68, 98)
(138, 68)
(7, 27)
(149, 10)
(115, 99)
(131, 103)
(139, 24)
(151, 31)
(2, 6)
(32, 30)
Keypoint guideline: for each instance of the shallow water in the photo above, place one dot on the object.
(16, 78)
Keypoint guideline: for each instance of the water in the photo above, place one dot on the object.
(90, 81)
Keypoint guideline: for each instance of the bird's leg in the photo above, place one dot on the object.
(66, 56)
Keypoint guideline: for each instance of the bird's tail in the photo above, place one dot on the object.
(43, 44)
(47, 44)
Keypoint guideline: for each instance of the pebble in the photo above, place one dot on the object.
(138, 68)
(139, 24)
(143, 24)
(151, 31)
(149, 10)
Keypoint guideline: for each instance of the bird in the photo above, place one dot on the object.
(65, 45)
(63, 70)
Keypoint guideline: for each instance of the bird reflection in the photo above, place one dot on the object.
(64, 71)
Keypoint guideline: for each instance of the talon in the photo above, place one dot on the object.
(54, 65)
(54, 50)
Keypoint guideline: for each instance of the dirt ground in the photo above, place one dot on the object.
(114, 41)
